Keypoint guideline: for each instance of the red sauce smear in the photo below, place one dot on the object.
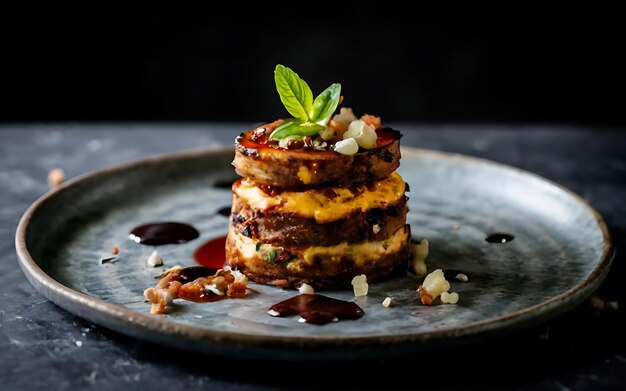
(211, 254)
(317, 309)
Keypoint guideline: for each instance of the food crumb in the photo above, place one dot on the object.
(387, 302)
(359, 285)
(306, 289)
(176, 284)
(434, 285)
(596, 302)
(154, 259)
(601, 304)
(115, 251)
(56, 177)
(79, 343)
(461, 277)
(449, 298)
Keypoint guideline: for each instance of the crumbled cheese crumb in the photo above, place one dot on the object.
(306, 289)
(213, 288)
(449, 298)
(56, 177)
(154, 259)
(433, 286)
(387, 302)
(347, 147)
(419, 254)
(360, 286)
(364, 134)
(462, 277)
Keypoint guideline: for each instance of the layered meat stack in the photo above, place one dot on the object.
(306, 213)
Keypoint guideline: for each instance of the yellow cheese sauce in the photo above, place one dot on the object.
(358, 253)
(317, 204)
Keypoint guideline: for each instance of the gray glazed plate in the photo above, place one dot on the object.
(560, 255)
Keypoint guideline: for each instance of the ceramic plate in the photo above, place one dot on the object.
(560, 253)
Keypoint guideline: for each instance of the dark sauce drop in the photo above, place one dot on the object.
(317, 309)
(157, 234)
(499, 237)
(191, 273)
(224, 211)
(211, 254)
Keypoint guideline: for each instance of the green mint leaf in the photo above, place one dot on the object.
(294, 92)
(296, 127)
(280, 129)
(325, 104)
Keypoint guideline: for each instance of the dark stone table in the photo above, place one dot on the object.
(44, 347)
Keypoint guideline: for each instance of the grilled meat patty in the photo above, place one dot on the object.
(288, 230)
(272, 166)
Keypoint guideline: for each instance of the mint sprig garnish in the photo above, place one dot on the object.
(296, 127)
(310, 116)
(294, 92)
(325, 104)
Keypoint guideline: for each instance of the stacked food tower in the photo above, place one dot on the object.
(319, 201)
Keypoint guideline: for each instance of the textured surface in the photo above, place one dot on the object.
(72, 353)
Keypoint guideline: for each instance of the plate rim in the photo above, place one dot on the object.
(186, 336)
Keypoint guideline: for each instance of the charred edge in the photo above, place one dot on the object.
(385, 155)
(396, 134)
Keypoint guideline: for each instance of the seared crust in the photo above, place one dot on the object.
(332, 270)
(289, 231)
(273, 166)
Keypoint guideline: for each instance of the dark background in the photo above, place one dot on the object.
(204, 65)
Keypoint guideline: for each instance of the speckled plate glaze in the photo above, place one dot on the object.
(560, 254)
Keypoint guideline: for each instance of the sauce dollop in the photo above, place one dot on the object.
(158, 234)
(499, 237)
(317, 309)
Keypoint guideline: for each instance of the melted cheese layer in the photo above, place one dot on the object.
(324, 205)
(359, 254)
